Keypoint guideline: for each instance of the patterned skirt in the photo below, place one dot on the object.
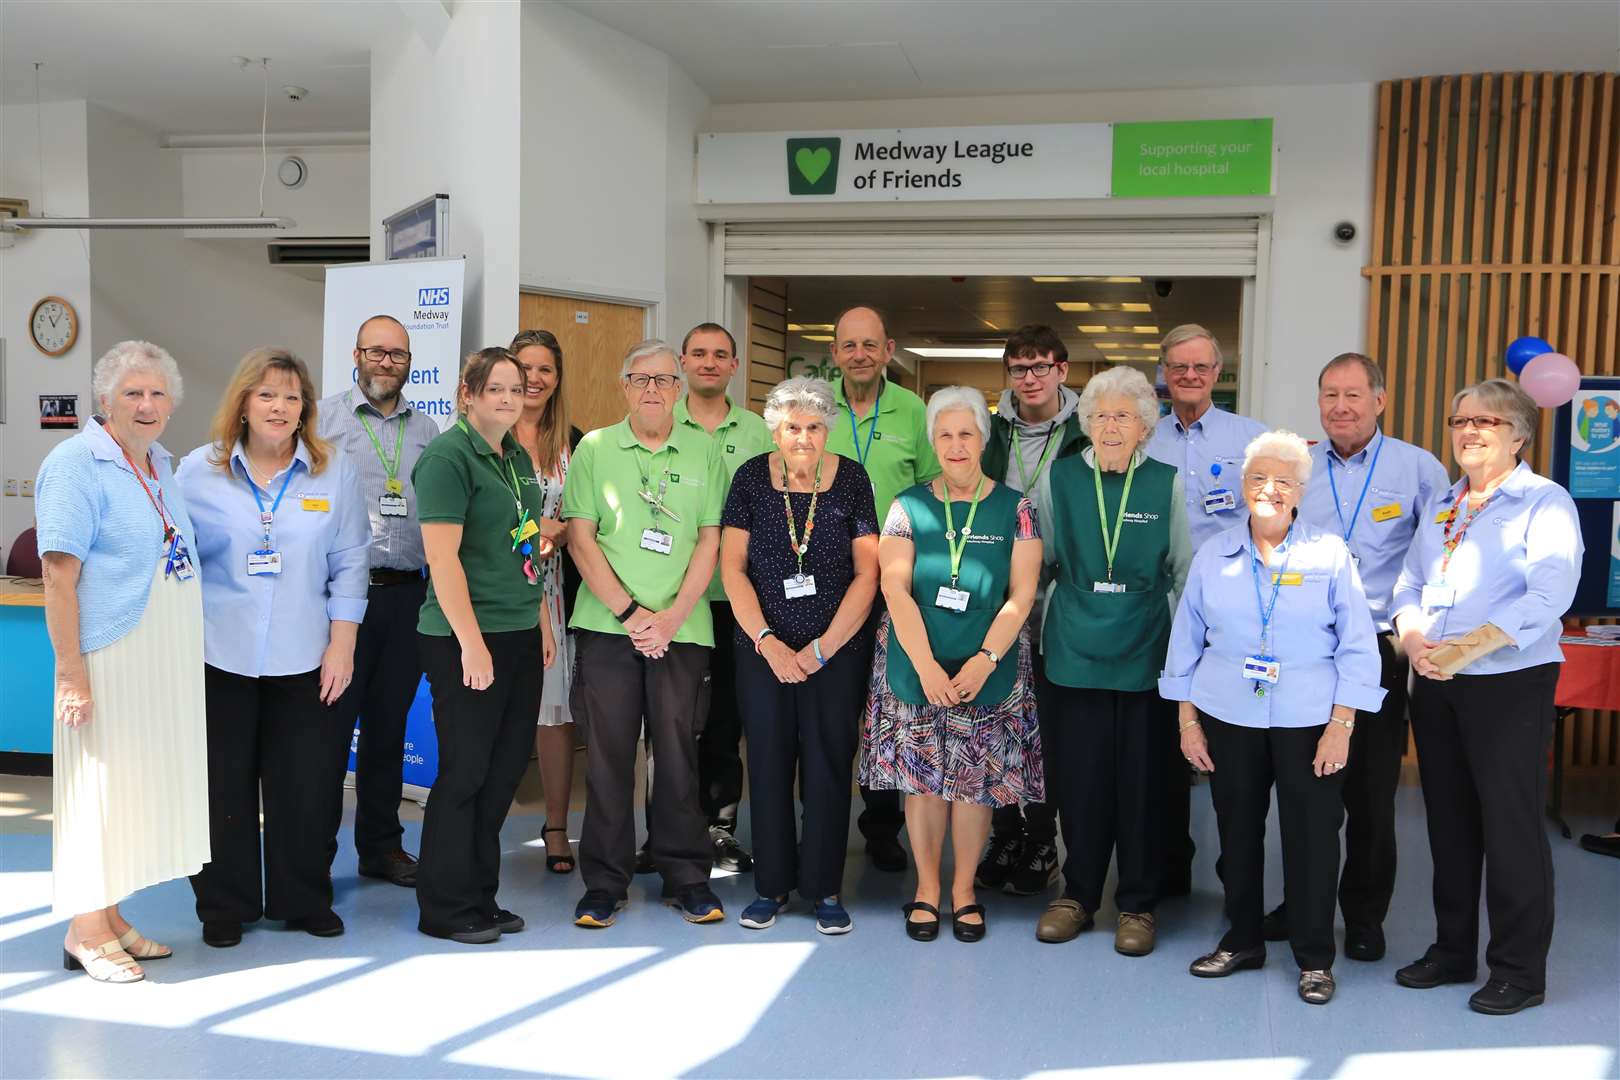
(988, 755)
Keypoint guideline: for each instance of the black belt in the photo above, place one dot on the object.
(395, 577)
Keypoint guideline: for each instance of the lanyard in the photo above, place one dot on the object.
(169, 530)
(958, 544)
(517, 492)
(1449, 542)
(266, 517)
(1111, 545)
(800, 547)
(654, 501)
(1267, 610)
(1046, 449)
(390, 468)
(855, 428)
(1355, 515)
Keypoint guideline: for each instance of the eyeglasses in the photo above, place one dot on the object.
(1203, 371)
(1481, 423)
(1118, 419)
(377, 354)
(1040, 369)
(1283, 484)
(640, 380)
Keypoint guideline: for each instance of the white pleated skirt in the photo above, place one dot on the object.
(130, 788)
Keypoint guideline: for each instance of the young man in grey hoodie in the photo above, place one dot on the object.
(1034, 425)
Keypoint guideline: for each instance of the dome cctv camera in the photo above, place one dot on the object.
(295, 93)
(1163, 286)
(1344, 232)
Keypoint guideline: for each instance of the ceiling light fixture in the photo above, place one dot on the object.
(1088, 305)
(1094, 328)
(818, 337)
(810, 326)
(1144, 329)
(956, 353)
(1087, 277)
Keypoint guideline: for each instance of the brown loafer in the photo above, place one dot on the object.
(1062, 921)
(1135, 935)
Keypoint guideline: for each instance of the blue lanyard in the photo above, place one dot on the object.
(1355, 515)
(1267, 610)
(855, 430)
(266, 517)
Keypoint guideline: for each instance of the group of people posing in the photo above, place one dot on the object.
(998, 624)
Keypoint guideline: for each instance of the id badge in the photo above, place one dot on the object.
(1439, 596)
(1108, 586)
(263, 562)
(657, 540)
(1218, 500)
(529, 529)
(391, 506)
(952, 599)
(1262, 669)
(182, 566)
(799, 585)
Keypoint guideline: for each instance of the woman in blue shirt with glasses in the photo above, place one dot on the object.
(1271, 653)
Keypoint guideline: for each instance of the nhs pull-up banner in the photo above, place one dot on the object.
(423, 294)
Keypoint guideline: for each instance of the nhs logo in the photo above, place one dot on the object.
(439, 297)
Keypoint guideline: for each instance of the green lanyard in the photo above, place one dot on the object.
(1039, 465)
(389, 467)
(958, 544)
(517, 491)
(1110, 546)
(800, 547)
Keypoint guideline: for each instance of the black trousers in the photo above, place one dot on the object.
(1482, 757)
(270, 737)
(1370, 779)
(1104, 769)
(808, 731)
(387, 671)
(1310, 808)
(720, 764)
(1036, 821)
(1176, 788)
(485, 739)
(614, 688)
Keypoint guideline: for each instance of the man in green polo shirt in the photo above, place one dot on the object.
(643, 503)
(884, 426)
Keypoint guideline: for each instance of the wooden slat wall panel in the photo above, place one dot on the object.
(1496, 214)
(767, 335)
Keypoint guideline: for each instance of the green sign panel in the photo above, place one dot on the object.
(1190, 158)
(812, 166)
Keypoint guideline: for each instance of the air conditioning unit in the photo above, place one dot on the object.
(319, 250)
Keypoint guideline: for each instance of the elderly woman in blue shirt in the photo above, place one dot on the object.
(1271, 653)
(1500, 551)
(284, 538)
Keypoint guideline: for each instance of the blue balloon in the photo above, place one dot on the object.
(1523, 350)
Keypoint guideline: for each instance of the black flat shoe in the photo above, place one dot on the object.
(886, 854)
(1222, 962)
(1428, 973)
(1364, 943)
(969, 932)
(919, 929)
(222, 933)
(470, 932)
(1498, 997)
(507, 922)
(397, 867)
(321, 924)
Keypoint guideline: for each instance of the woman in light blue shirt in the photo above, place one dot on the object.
(283, 535)
(1271, 653)
(1502, 547)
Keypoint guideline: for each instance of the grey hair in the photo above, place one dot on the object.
(1284, 445)
(127, 357)
(951, 398)
(1508, 400)
(1126, 382)
(641, 350)
(1189, 332)
(1375, 374)
(804, 394)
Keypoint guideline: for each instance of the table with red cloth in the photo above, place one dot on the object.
(1589, 679)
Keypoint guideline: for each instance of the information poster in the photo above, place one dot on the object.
(1614, 558)
(1594, 445)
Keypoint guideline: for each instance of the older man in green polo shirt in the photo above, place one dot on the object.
(883, 426)
(643, 504)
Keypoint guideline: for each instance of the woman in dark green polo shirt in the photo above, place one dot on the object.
(1117, 535)
(483, 645)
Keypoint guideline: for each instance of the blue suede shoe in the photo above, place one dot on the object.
(831, 918)
(761, 914)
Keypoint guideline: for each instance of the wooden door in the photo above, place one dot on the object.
(593, 351)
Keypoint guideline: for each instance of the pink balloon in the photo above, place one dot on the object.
(1551, 379)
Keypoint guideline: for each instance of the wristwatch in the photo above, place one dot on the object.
(994, 659)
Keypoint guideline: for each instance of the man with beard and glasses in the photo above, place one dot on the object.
(384, 436)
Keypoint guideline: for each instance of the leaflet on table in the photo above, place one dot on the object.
(1594, 446)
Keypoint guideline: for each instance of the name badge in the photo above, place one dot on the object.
(1262, 669)
(1387, 512)
(322, 506)
(952, 599)
(1107, 586)
(1439, 596)
(182, 569)
(657, 540)
(1440, 518)
(1218, 500)
(1293, 577)
(391, 506)
(263, 562)
(797, 586)
(529, 529)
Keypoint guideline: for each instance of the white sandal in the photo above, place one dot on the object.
(142, 948)
(107, 962)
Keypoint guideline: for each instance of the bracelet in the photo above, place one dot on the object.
(624, 616)
(1348, 725)
(816, 646)
(1191, 724)
(760, 637)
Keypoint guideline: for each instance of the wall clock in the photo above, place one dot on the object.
(54, 326)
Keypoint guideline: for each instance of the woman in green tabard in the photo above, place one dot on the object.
(1117, 535)
(950, 717)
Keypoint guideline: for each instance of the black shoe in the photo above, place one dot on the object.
(644, 862)
(397, 867)
(1037, 869)
(1498, 997)
(507, 922)
(729, 854)
(321, 924)
(1428, 973)
(921, 929)
(1001, 858)
(1602, 845)
(1364, 942)
(480, 931)
(1274, 927)
(222, 933)
(886, 853)
(970, 931)
(1222, 962)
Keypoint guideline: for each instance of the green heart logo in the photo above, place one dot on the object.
(812, 164)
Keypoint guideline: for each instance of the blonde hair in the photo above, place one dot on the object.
(230, 421)
(1186, 332)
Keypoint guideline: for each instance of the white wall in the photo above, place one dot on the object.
(333, 200)
(34, 266)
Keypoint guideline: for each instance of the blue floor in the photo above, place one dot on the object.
(654, 996)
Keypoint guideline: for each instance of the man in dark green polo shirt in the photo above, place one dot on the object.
(643, 503)
(883, 426)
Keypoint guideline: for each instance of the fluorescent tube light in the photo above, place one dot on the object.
(268, 223)
(958, 353)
